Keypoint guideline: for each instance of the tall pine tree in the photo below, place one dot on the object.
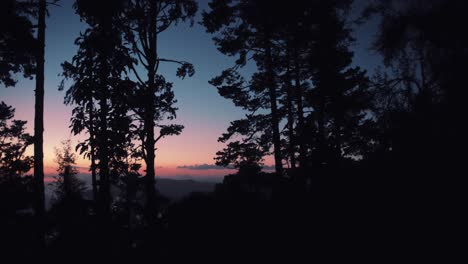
(248, 30)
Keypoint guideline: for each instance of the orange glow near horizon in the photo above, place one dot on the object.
(196, 145)
(205, 114)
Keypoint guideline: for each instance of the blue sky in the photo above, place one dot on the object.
(204, 113)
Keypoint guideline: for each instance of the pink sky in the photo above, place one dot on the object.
(203, 112)
(196, 145)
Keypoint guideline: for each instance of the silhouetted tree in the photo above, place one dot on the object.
(100, 89)
(69, 208)
(82, 94)
(294, 35)
(17, 43)
(16, 189)
(19, 51)
(303, 61)
(340, 95)
(297, 35)
(13, 144)
(67, 185)
(420, 91)
(153, 97)
(291, 152)
(247, 29)
(39, 119)
(240, 154)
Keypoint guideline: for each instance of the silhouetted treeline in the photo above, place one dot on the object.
(305, 86)
(367, 165)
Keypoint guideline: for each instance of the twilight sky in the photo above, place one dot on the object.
(203, 112)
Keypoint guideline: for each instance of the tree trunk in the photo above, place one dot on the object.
(290, 110)
(150, 156)
(103, 133)
(92, 138)
(274, 109)
(104, 155)
(39, 203)
(321, 126)
(149, 117)
(300, 111)
(66, 181)
(338, 145)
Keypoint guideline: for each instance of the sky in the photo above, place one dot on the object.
(203, 112)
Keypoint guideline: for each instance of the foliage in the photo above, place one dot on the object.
(66, 184)
(17, 43)
(303, 63)
(15, 187)
(13, 144)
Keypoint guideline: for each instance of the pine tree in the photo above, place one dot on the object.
(340, 96)
(297, 35)
(67, 185)
(248, 29)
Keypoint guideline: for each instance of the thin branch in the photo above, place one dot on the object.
(174, 61)
(136, 74)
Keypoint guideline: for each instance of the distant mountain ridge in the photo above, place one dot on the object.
(177, 189)
(174, 189)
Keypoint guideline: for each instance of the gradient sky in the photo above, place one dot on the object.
(203, 112)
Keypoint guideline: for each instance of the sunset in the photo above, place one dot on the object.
(202, 111)
(169, 130)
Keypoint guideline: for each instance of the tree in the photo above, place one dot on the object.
(100, 91)
(340, 96)
(154, 96)
(247, 29)
(240, 154)
(420, 90)
(13, 144)
(303, 65)
(15, 188)
(82, 94)
(86, 91)
(17, 43)
(297, 35)
(67, 185)
(39, 112)
(69, 208)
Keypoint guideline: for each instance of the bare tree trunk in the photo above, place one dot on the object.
(39, 203)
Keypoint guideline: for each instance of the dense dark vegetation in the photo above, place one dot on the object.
(366, 165)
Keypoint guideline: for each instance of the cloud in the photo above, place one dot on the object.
(198, 178)
(215, 167)
(202, 167)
